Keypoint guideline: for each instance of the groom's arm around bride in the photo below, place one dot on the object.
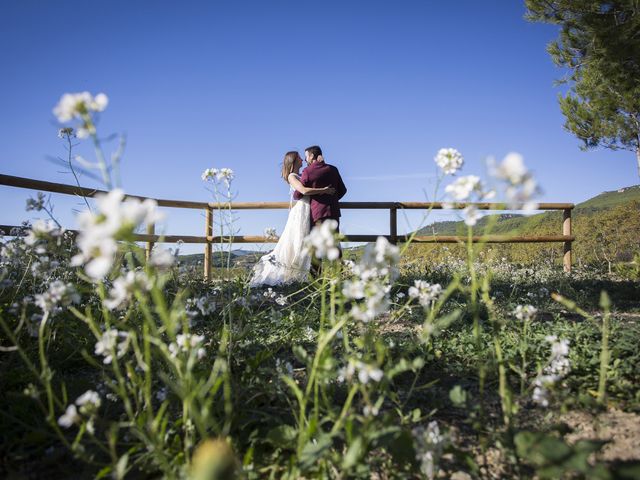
(320, 174)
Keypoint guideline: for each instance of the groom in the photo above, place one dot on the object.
(319, 174)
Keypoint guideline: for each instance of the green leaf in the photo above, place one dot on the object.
(541, 449)
(293, 386)
(313, 451)
(121, 466)
(283, 436)
(354, 453)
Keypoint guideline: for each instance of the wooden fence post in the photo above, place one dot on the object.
(151, 230)
(393, 225)
(208, 232)
(566, 230)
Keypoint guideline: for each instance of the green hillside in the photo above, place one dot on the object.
(519, 224)
(606, 227)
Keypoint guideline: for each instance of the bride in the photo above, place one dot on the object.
(288, 262)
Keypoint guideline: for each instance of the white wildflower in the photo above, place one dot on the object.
(353, 289)
(429, 447)
(66, 132)
(270, 233)
(187, 342)
(368, 372)
(209, 174)
(58, 294)
(512, 169)
(216, 175)
(557, 368)
(89, 399)
(370, 411)
(73, 105)
(124, 288)
(116, 219)
(162, 258)
(425, 292)
(70, 417)
(521, 186)
(449, 160)
(471, 215)
(42, 230)
(463, 187)
(322, 240)
(525, 313)
(109, 343)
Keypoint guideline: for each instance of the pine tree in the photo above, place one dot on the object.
(599, 43)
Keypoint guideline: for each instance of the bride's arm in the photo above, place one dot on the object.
(297, 184)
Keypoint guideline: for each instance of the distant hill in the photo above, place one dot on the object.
(238, 258)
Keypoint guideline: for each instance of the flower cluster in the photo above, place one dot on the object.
(66, 132)
(525, 313)
(270, 233)
(162, 258)
(186, 342)
(218, 174)
(88, 402)
(124, 288)
(425, 292)
(429, 447)
(203, 305)
(372, 274)
(112, 341)
(449, 160)
(59, 294)
(557, 368)
(42, 230)
(364, 371)
(464, 189)
(322, 241)
(80, 105)
(521, 186)
(116, 219)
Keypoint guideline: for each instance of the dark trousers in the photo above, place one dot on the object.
(316, 264)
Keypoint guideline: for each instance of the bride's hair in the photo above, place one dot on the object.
(288, 164)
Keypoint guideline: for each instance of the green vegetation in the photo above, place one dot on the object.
(606, 228)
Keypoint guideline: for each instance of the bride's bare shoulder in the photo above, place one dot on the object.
(293, 175)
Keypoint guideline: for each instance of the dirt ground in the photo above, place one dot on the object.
(622, 429)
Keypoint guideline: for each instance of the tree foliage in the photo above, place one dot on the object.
(599, 44)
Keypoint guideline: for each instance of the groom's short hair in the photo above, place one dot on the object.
(314, 151)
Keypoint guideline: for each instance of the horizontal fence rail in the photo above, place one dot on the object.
(209, 207)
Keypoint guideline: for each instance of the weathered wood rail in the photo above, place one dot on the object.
(566, 238)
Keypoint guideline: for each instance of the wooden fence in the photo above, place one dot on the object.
(210, 208)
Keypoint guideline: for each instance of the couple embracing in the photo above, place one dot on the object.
(317, 192)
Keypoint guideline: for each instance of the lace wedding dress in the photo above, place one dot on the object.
(287, 262)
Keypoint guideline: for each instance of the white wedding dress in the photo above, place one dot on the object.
(287, 262)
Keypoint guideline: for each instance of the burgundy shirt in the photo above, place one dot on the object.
(319, 175)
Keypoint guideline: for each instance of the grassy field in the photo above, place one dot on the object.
(298, 388)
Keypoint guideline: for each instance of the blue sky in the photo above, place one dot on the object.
(381, 86)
